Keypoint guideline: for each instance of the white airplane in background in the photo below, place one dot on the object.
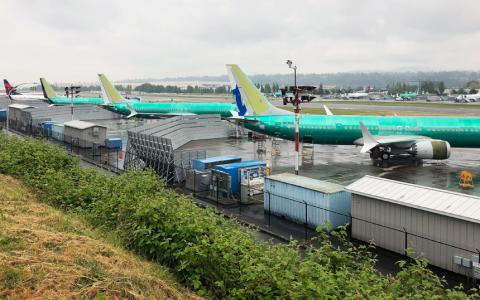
(357, 95)
(470, 97)
(14, 94)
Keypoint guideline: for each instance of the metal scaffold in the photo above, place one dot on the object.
(159, 145)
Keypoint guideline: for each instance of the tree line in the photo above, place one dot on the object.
(424, 87)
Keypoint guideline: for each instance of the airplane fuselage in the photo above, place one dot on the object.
(345, 130)
(76, 101)
(152, 109)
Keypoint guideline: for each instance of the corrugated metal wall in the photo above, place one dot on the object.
(289, 201)
(437, 232)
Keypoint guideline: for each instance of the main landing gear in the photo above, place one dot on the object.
(381, 156)
(380, 153)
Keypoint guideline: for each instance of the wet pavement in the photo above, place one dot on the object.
(345, 164)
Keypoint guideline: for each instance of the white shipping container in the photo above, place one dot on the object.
(298, 198)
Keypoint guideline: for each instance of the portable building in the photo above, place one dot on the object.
(307, 200)
(210, 162)
(84, 134)
(439, 225)
(233, 171)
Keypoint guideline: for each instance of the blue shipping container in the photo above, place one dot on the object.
(234, 169)
(296, 197)
(113, 143)
(47, 128)
(3, 115)
(209, 162)
(58, 131)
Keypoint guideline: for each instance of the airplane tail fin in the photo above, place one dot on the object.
(249, 100)
(8, 87)
(47, 89)
(110, 93)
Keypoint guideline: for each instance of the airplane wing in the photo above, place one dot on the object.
(369, 141)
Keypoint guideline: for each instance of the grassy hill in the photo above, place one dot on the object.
(45, 253)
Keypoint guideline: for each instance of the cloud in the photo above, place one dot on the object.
(73, 40)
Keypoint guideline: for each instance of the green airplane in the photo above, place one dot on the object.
(381, 136)
(408, 95)
(53, 98)
(118, 104)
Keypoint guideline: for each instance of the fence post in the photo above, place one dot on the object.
(217, 189)
(306, 221)
(194, 183)
(351, 226)
(269, 211)
(117, 160)
(406, 241)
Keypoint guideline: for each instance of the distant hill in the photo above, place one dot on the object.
(377, 79)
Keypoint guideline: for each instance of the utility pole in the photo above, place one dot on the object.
(71, 92)
(296, 103)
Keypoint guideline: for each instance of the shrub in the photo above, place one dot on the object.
(218, 258)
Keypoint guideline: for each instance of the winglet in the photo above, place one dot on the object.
(328, 112)
(369, 141)
(133, 112)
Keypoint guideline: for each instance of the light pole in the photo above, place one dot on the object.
(296, 103)
(72, 91)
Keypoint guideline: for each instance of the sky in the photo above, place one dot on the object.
(73, 40)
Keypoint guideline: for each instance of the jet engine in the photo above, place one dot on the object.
(431, 149)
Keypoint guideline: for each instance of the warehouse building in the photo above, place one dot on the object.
(442, 226)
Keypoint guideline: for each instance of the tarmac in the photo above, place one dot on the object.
(345, 164)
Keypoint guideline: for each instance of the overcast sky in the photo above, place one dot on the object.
(73, 40)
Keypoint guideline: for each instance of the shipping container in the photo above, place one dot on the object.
(3, 115)
(439, 225)
(210, 162)
(113, 143)
(307, 200)
(233, 171)
(58, 131)
(47, 128)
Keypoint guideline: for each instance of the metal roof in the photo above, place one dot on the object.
(452, 204)
(219, 158)
(19, 106)
(81, 124)
(308, 183)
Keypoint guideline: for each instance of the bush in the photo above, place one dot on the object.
(218, 258)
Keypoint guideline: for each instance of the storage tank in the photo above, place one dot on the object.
(233, 171)
(300, 198)
(210, 162)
